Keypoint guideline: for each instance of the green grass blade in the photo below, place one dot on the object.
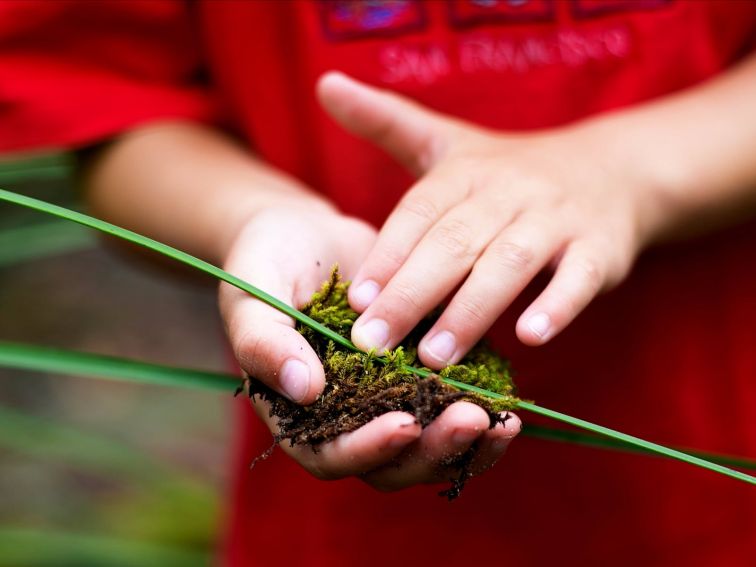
(36, 168)
(629, 440)
(637, 442)
(26, 357)
(42, 359)
(50, 440)
(42, 240)
(216, 272)
(599, 442)
(22, 547)
(39, 438)
(178, 255)
(145, 481)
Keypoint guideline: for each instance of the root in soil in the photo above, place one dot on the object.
(360, 388)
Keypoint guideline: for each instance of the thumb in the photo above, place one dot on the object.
(267, 346)
(413, 135)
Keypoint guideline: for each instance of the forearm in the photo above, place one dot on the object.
(692, 153)
(187, 185)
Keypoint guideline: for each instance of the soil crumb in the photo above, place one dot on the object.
(360, 387)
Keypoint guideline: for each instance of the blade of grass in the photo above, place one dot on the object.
(42, 240)
(590, 440)
(144, 479)
(36, 437)
(178, 255)
(638, 442)
(46, 166)
(40, 438)
(641, 444)
(22, 546)
(220, 274)
(27, 357)
(42, 359)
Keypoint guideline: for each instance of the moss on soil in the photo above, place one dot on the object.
(360, 388)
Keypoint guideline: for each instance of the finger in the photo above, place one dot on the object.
(579, 277)
(434, 268)
(364, 449)
(281, 254)
(421, 208)
(266, 344)
(449, 436)
(494, 443)
(504, 269)
(414, 136)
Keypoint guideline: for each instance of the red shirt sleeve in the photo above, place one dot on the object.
(74, 72)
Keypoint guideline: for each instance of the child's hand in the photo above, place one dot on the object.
(488, 213)
(289, 252)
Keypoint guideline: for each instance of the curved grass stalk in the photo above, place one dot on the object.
(39, 438)
(34, 242)
(599, 442)
(69, 446)
(220, 274)
(23, 545)
(42, 359)
(36, 167)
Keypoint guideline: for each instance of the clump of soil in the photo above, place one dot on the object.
(360, 388)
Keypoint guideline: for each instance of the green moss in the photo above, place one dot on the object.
(362, 386)
(481, 367)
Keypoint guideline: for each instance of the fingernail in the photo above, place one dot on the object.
(364, 294)
(540, 324)
(295, 379)
(464, 436)
(442, 346)
(373, 334)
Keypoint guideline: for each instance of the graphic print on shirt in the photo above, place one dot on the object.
(497, 36)
(464, 13)
(594, 8)
(354, 19)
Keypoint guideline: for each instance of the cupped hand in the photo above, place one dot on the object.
(392, 452)
(289, 252)
(490, 210)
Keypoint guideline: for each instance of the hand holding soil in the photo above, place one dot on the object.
(438, 434)
(289, 253)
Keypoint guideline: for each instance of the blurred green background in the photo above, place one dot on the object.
(97, 472)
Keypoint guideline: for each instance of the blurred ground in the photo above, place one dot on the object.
(101, 463)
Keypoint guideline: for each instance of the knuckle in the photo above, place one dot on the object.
(382, 130)
(512, 256)
(420, 207)
(471, 309)
(591, 274)
(408, 297)
(249, 349)
(454, 238)
(392, 257)
(429, 148)
(617, 272)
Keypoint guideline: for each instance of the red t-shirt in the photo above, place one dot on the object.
(668, 356)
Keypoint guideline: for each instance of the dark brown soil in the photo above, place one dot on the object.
(359, 388)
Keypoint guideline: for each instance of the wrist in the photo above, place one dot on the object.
(628, 156)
